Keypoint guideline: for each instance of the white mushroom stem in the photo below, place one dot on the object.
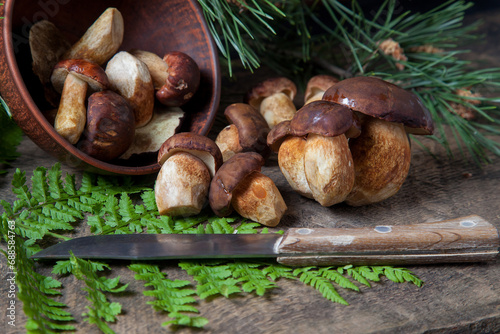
(382, 159)
(257, 198)
(182, 185)
(72, 113)
(277, 108)
(101, 40)
(329, 168)
(228, 141)
(291, 163)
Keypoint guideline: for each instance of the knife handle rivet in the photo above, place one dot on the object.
(383, 229)
(468, 223)
(304, 231)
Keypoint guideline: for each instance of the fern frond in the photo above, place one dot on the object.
(101, 311)
(213, 279)
(44, 314)
(171, 296)
(251, 277)
(314, 278)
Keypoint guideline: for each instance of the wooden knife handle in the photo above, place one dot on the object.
(465, 239)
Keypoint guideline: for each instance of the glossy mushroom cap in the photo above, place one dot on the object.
(269, 87)
(200, 146)
(319, 117)
(252, 127)
(317, 86)
(384, 100)
(227, 178)
(93, 74)
(182, 82)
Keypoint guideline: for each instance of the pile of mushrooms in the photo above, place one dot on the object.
(352, 146)
(71, 74)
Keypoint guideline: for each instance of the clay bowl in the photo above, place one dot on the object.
(157, 26)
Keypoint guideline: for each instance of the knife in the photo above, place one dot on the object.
(465, 239)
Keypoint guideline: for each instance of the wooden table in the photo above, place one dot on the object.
(459, 298)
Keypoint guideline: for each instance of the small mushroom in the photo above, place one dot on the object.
(101, 40)
(75, 79)
(188, 163)
(381, 154)
(130, 78)
(313, 151)
(247, 131)
(240, 185)
(110, 126)
(176, 77)
(317, 86)
(274, 99)
(47, 46)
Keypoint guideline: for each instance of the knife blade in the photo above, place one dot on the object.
(464, 239)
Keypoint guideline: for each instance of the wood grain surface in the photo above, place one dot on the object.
(455, 298)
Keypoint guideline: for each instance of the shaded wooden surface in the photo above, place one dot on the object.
(456, 298)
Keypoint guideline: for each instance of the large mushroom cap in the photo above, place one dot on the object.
(251, 125)
(269, 87)
(381, 99)
(318, 117)
(227, 178)
(90, 72)
(200, 146)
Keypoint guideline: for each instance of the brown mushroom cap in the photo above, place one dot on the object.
(227, 178)
(182, 81)
(319, 84)
(269, 87)
(85, 70)
(381, 99)
(319, 117)
(251, 125)
(200, 146)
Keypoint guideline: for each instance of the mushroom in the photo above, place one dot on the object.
(239, 185)
(176, 77)
(101, 40)
(110, 126)
(313, 151)
(47, 46)
(274, 99)
(188, 163)
(317, 86)
(381, 154)
(130, 78)
(75, 79)
(247, 131)
(165, 123)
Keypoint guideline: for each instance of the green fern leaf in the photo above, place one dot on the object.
(101, 311)
(334, 275)
(44, 314)
(170, 296)
(39, 186)
(313, 277)
(251, 277)
(213, 279)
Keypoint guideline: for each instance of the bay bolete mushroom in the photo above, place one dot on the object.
(382, 152)
(176, 76)
(130, 78)
(110, 126)
(274, 99)
(240, 185)
(101, 40)
(317, 86)
(188, 163)
(75, 79)
(313, 151)
(247, 131)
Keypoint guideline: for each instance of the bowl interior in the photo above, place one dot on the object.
(156, 26)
